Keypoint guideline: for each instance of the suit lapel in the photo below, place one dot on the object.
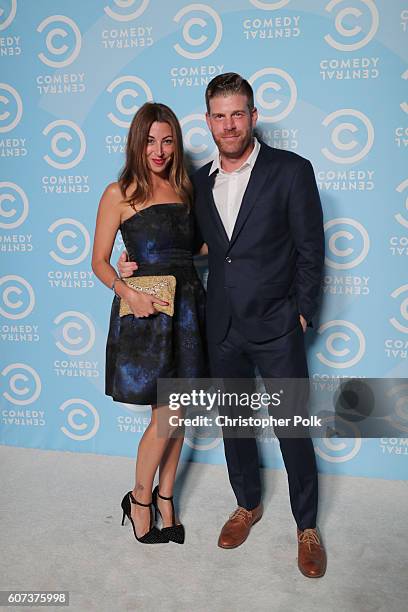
(213, 207)
(255, 184)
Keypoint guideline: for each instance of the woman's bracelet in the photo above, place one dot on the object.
(117, 278)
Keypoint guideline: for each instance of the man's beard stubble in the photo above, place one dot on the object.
(236, 152)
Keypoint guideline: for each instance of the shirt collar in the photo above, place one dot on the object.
(250, 161)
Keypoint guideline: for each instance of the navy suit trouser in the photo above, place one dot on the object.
(284, 357)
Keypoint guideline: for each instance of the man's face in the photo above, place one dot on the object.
(231, 123)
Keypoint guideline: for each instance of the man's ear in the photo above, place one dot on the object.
(254, 116)
(207, 118)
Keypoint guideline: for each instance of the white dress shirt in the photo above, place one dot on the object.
(229, 188)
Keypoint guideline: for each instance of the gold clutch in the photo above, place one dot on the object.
(162, 287)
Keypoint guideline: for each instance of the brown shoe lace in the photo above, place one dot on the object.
(241, 514)
(309, 537)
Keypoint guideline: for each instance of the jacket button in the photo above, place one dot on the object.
(228, 259)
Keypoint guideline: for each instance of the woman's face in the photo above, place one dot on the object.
(160, 147)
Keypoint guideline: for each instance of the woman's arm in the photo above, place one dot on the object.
(107, 224)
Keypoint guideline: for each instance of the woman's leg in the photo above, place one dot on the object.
(167, 474)
(152, 447)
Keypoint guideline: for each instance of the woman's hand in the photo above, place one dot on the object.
(142, 304)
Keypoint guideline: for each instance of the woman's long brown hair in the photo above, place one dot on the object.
(136, 169)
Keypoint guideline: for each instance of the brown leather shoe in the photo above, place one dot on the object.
(311, 554)
(237, 528)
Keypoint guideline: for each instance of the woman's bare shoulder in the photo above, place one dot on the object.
(114, 192)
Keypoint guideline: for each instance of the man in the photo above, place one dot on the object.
(259, 212)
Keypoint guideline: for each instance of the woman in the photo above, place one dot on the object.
(151, 205)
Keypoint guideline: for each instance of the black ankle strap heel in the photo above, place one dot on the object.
(175, 533)
(154, 535)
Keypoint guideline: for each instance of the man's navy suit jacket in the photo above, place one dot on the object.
(270, 271)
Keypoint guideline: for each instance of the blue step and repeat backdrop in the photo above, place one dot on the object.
(330, 79)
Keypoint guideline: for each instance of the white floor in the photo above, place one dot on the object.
(60, 515)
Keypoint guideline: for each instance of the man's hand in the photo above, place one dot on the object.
(303, 322)
(126, 267)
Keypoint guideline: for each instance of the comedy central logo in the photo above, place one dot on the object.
(16, 200)
(11, 107)
(132, 9)
(76, 332)
(269, 6)
(134, 407)
(332, 447)
(348, 243)
(73, 246)
(17, 298)
(344, 344)
(128, 89)
(404, 105)
(199, 439)
(24, 384)
(398, 416)
(276, 97)
(62, 40)
(352, 138)
(197, 140)
(202, 27)
(356, 24)
(400, 218)
(82, 419)
(399, 293)
(6, 18)
(70, 135)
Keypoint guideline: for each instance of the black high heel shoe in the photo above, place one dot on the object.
(175, 533)
(154, 535)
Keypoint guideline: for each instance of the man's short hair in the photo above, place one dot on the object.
(228, 84)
